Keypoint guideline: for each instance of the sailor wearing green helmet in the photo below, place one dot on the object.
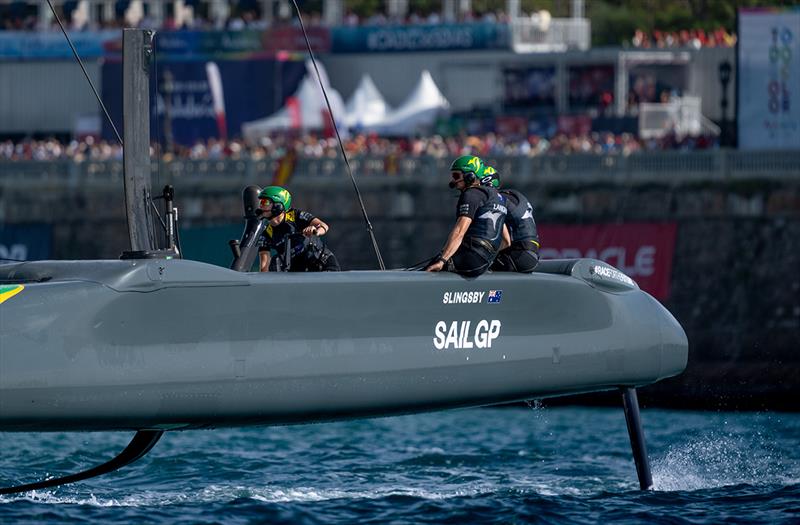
(477, 235)
(290, 241)
(523, 253)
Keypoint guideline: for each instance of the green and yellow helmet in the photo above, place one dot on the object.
(469, 165)
(489, 177)
(280, 197)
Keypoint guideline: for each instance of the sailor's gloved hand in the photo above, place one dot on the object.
(311, 230)
(435, 267)
(439, 263)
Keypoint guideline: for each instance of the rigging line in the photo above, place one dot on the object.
(339, 138)
(80, 63)
(158, 215)
(151, 224)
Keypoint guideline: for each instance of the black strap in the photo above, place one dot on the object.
(478, 242)
(527, 245)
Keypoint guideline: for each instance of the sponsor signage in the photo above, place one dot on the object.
(245, 44)
(642, 251)
(462, 335)
(769, 79)
(290, 38)
(419, 38)
(248, 43)
(206, 99)
(25, 242)
(52, 44)
(208, 43)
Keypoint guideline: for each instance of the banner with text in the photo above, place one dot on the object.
(769, 78)
(25, 242)
(51, 44)
(197, 99)
(247, 43)
(643, 251)
(244, 44)
(442, 37)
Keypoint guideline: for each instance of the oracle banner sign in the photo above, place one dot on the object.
(641, 250)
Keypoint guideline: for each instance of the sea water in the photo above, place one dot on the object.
(502, 465)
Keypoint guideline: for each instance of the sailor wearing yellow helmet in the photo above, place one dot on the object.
(477, 235)
(523, 253)
(290, 242)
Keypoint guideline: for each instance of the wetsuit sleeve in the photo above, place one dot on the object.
(264, 243)
(304, 219)
(469, 202)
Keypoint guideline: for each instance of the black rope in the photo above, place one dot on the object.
(158, 215)
(420, 265)
(339, 138)
(80, 63)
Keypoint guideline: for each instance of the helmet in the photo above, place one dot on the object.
(469, 165)
(489, 177)
(281, 199)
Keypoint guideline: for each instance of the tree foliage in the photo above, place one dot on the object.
(614, 21)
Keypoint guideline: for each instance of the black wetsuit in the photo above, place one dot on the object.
(294, 252)
(482, 241)
(523, 254)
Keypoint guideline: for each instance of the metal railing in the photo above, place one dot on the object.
(663, 167)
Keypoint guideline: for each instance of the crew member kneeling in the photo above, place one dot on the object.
(523, 253)
(291, 243)
(475, 239)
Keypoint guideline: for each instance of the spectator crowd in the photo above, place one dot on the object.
(315, 146)
(245, 14)
(691, 38)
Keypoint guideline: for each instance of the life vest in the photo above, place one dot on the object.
(489, 219)
(519, 220)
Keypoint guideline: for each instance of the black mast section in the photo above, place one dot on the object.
(137, 52)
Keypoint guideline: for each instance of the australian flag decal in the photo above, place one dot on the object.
(494, 296)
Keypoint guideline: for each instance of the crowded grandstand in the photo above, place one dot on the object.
(541, 79)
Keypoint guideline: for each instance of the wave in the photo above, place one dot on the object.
(721, 460)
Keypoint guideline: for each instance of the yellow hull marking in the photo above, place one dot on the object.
(7, 292)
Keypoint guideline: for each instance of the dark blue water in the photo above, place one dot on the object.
(471, 466)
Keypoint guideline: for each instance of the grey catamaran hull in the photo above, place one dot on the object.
(168, 344)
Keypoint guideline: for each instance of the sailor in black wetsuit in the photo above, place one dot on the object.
(291, 243)
(475, 240)
(523, 253)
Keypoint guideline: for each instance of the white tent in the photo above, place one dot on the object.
(305, 110)
(418, 111)
(366, 106)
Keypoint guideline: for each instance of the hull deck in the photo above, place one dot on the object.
(168, 344)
